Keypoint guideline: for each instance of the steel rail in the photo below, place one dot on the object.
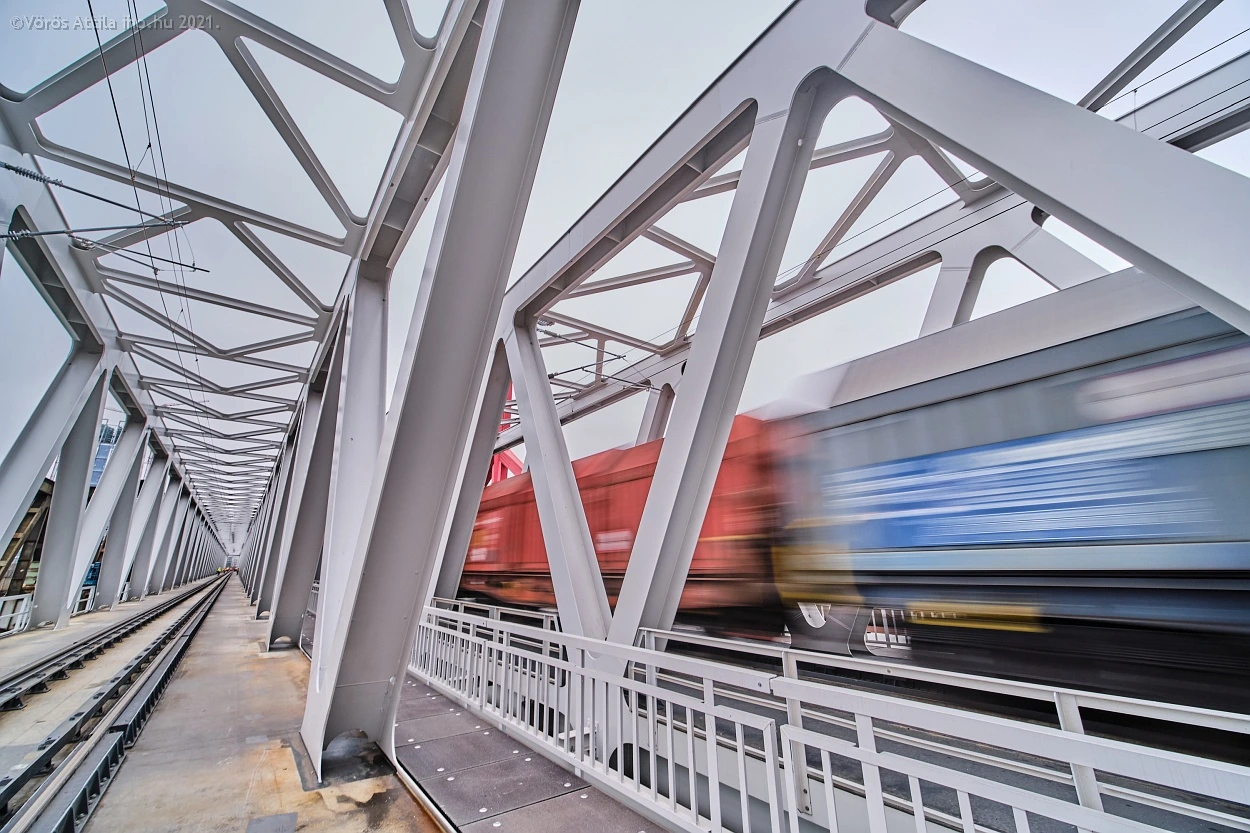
(119, 708)
(34, 677)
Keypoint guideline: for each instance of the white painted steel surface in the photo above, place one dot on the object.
(14, 614)
(314, 471)
(542, 687)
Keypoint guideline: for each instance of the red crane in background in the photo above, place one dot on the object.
(505, 464)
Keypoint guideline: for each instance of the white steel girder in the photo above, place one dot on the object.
(113, 573)
(117, 483)
(270, 564)
(173, 540)
(303, 543)
(1023, 139)
(227, 482)
(488, 181)
(351, 493)
(154, 538)
(112, 561)
(1193, 115)
(357, 432)
(65, 516)
(751, 104)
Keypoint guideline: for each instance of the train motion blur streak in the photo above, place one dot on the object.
(1076, 516)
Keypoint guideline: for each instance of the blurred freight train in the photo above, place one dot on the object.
(1077, 515)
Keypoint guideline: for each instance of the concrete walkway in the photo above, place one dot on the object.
(217, 753)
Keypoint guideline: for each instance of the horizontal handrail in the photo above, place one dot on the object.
(1172, 769)
(1174, 713)
(597, 648)
(1019, 800)
(610, 728)
(533, 681)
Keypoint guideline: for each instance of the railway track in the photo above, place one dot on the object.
(34, 677)
(57, 785)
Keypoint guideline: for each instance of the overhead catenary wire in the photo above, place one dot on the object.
(22, 234)
(121, 133)
(124, 254)
(162, 177)
(50, 180)
(134, 187)
(1191, 59)
(164, 192)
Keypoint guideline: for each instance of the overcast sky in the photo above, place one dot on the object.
(633, 67)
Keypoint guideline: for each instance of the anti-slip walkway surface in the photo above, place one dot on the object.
(486, 782)
(217, 753)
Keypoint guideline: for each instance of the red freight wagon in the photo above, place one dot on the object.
(732, 567)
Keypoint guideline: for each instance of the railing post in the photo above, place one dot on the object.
(713, 765)
(872, 775)
(1082, 776)
(794, 716)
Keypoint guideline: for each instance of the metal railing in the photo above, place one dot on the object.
(876, 753)
(539, 618)
(567, 698)
(15, 613)
(308, 623)
(650, 745)
(86, 596)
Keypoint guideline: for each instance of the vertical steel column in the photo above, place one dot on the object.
(44, 434)
(361, 408)
(113, 562)
(193, 546)
(263, 524)
(179, 543)
(580, 596)
(114, 481)
(308, 528)
(659, 405)
(194, 566)
(488, 181)
(173, 536)
(197, 563)
(954, 293)
(477, 466)
(141, 529)
(189, 551)
(202, 558)
(251, 548)
(755, 236)
(296, 482)
(179, 552)
(69, 499)
(282, 496)
(154, 539)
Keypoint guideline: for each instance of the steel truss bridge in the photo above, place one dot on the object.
(374, 507)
